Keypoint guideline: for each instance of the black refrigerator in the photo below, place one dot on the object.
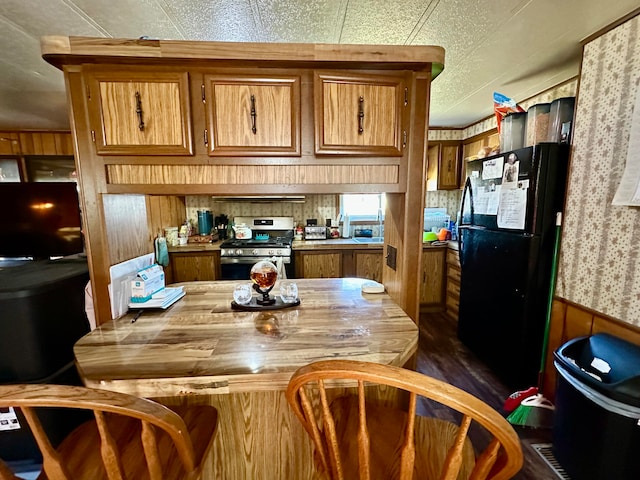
(506, 240)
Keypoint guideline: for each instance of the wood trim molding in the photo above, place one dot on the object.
(59, 50)
(611, 26)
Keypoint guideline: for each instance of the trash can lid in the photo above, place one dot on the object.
(606, 363)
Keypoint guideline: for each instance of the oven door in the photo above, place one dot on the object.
(238, 268)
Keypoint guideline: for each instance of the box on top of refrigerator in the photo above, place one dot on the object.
(148, 281)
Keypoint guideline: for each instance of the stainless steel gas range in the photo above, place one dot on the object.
(271, 239)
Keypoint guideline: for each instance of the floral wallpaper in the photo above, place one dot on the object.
(448, 134)
(599, 266)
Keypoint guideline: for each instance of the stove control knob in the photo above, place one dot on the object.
(239, 251)
(255, 252)
(271, 252)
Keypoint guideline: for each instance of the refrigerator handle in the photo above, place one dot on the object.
(467, 187)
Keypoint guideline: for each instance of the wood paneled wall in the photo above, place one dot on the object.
(568, 321)
(125, 218)
(24, 142)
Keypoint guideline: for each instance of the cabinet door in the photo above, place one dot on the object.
(433, 159)
(359, 114)
(453, 284)
(368, 265)
(319, 265)
(432, 284)
(443, 166)
(449, 167)
(253, 116)
(192, 266)
(140, 113)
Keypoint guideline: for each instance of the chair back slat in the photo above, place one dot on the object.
(362, 438)
(51, 462)
(408, 455)
(329, 428)
(486, 461)
(453, 462)
(150, 446)
(108, 449)
(307, 417)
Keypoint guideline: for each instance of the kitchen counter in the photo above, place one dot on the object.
(196, 247)
(201, 345)
(329, 243)
(200, 350)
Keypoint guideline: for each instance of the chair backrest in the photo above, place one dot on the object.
(308, 395)
(151, 415)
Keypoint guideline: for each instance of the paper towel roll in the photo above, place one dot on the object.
(346, 226)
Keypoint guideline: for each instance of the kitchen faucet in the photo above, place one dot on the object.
(380, 224)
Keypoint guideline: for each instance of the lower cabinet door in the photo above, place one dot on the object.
(195, 266)
(318, 265)
(432, 284)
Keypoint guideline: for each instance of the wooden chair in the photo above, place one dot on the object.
(359, 438)
(131, 438)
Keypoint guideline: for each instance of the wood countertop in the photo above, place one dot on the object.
(302, 245)
(201, 346)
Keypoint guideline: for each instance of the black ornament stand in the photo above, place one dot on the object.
(266, 299)
(253, 305)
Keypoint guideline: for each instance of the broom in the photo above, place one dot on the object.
(535, 410)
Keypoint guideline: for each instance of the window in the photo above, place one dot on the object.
(9, 170)
(363, 206)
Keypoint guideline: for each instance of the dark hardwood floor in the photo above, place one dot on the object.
(441, 355)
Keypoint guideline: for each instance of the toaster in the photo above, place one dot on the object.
(315, 233)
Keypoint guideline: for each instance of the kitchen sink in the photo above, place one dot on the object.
(368, 239)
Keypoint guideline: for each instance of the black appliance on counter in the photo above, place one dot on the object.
(506, 239)
(271, 240)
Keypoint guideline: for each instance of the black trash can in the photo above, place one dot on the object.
(596, 431)
(42, 315)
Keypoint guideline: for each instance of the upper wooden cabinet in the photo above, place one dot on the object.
(253, 116)
(473, 146)
(443, 168)
(359, 114)
(136, 112)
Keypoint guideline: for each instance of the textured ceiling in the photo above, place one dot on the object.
(516, 47)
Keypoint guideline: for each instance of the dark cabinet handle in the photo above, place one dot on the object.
(360, 114)
(139, 111)
(253, 114)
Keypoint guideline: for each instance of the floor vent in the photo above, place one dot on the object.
(544, 450)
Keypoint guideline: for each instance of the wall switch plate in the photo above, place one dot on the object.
(392, 253)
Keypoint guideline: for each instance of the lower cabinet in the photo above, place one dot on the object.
(432, 286)
(453, 284)
(194, 266)
(311, 264)
(340, 263)
(368, 265)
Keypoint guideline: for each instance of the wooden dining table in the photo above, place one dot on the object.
(201, 350)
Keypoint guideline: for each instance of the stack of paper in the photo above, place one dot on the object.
(162, 299)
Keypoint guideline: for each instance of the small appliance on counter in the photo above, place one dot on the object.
(315, 233)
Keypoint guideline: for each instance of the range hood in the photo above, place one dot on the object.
(261, 198)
